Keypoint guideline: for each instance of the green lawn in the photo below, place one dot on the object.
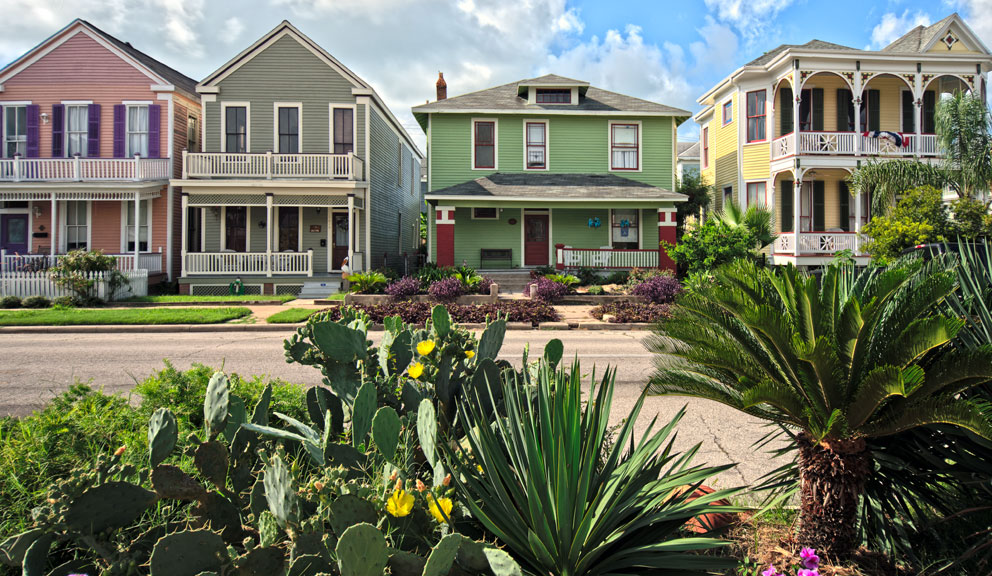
(291, 316)
(93, 316)
(166, 298)
(336, 296)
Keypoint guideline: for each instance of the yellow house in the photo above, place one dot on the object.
(786, 129)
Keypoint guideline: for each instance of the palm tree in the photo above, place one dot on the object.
(964, 137)
(850, 358)
(757, 220)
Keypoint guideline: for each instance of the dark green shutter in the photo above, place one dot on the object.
(785, 109)
(818, 205)
(845, 111)
(908, 112)
(817, 109)
(845, 207)
(874, 110)
(787, 206)
(929, 112)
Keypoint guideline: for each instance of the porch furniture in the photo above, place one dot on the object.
(489, 255)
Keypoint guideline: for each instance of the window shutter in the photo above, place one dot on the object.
(120, 117)
(93, 131)
(845, 207)
(32, 129)
(58, 130)
(818, 205)
(929, 109)
(908, 112)
(843, 100)
(154, 131)
(785, 107)
(787, 206)
(817, 109)
(874, 111)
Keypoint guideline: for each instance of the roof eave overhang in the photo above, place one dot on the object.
(679, 198)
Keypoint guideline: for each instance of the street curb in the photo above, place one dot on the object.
(226, 303)
(221, 328)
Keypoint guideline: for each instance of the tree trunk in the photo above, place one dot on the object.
(832, 478)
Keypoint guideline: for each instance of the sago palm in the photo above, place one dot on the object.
(839, 361)
(757, 220)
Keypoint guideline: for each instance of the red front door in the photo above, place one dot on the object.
(536, 240)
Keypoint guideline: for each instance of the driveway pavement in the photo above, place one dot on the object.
(35, 367)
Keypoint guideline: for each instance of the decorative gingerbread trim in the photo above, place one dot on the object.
(911, 78)
(927, 78)
(865, 76)
(970, 79)
(804, 74)
(849, 76)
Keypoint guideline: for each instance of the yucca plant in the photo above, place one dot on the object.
(841, 361)
(540, 480)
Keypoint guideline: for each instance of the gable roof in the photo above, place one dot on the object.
(688, 150)
(139, 59)
(922, 38)
(508, 98)
(811, 45)
(537, 187)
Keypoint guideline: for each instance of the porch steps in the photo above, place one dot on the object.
(510, 281)
(320, 289)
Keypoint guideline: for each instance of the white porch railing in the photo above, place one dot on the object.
(827, 142)
(852, 144)
(568, 257)
(151, 262)
(783, 146)
(24, 284)
(76, 169)
(248, 263)
(268, 166)
(811, 243)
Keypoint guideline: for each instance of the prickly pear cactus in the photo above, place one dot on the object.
(279, 490)
(386, 432)
(443, 556)
(362, 413)
(492, 340)
(362, 551)
(440, 320)
(215, 405)
(108, 506)
(349, 510)
(171, 482)
(427, 431)
(162, 436)
(188, 553)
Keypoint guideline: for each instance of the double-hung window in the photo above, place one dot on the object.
(756, 116)
(728, 112)
(756, 194)
(484, 145)
(289, 130)
(537, 146)
(76, 225)
(192, 134)
(76, 129)
(625, 229)
(129, 222)
(344, 130)
(624, 147)
(15, 132)
(236, 129)
(706, 147)
(137, 130)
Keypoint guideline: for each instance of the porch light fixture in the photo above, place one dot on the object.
(44, 117)
(261, 224)
(37, 211)
(318, 209)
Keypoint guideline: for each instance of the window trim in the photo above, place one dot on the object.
(723, 108)
(128, 153)
(640, 228)
(86, 126)
(609, 144)
(476, 217)
(537, 95)
(64, 224)
(3, 109)
(763, 116)
(747, 193)
(354, 125)
(275, 125)
(705, 137)
(547, 163)
(144, 223)
(196, 130)
(223, 124)
(472, 163)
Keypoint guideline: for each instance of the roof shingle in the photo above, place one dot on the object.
(568, 186)
(811, 45)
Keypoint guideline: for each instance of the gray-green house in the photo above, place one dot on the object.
(550, 171)
(302, 166)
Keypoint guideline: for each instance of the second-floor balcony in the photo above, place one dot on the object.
(77, 169)
(271, 166)
(853, 144)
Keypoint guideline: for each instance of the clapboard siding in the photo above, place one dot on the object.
(471, 236)
(754, 160)
(394, 196)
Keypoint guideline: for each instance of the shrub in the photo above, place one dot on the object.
(566, 279)
(660, 289)
(617, 277)
(484, 285)
(368, 282)
(446, 290)
(547, 290)
(419, 312)
(405, 287)
(64, 302)
(541, 271)
(919, 217)
(638, 275)
(588, 277)
(631, 312)
(711, 245)
(431, 272)
(596, 291)
(10, 302)
(75, 270)
(36, 302)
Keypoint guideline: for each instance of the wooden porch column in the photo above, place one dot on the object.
(184, 240)
(137, 229)
(351, 232)
(666, 234)
(268, 234)
(797, 94)
(797, 195)
(54, 226)
(857, 223)
(445, 235)
(857, 111)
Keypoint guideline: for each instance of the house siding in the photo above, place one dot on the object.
(394, 196)
(471, 236)
(571, 228)
(723, 150)
(754, 161)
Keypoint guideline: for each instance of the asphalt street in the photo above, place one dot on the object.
(35, 367)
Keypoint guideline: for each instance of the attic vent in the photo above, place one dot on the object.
(949, 40)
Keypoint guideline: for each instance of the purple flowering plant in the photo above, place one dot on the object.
(446, 290)
(808, 560)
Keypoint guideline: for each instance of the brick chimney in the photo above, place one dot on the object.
(442, 87)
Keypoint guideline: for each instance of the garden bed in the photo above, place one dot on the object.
(111, 316)
(622, 312)
(524, 311)
(185, 300)
(382, 299)
(597, 299)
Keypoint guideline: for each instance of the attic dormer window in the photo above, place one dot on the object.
(554, 96)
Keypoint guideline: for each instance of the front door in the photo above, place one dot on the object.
(14, 233)
(535, 239)
(340, 250)
(806, 208)
(289, 229)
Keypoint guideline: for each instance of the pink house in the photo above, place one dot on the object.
(92, 131)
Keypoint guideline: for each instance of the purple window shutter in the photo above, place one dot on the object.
(120, 113)
(93, 131)
(33, 125)
(154, 131)
(58, 130)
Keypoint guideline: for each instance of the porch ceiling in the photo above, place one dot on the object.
(556, 187)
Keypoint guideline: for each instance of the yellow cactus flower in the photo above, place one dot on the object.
(470, 354)
(416, 370)
(438, 505)
(400, 504)
(425, 347)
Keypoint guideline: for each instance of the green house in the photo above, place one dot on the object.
(550, 171)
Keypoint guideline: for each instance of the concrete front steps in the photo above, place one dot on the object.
(510, 281)
(317, 290)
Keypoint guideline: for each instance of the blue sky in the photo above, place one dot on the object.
(669, 52)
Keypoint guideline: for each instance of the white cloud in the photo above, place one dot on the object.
(231, 32)
(894, 25)
(181, 17)
(978, 15)
(752, 18)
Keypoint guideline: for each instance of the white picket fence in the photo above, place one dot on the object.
(24, 284)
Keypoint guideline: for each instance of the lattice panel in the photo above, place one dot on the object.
(310, 200)
(221, 290)
(226, 200)
(288, 288)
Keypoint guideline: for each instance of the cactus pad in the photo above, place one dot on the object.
(443, 556)
(362, 413)
(427, 430)
(188, 553)
(386, 431)
(211, 461)
(279, 491)
(348, 510)
(361, 551)
(162, 435)
(171, 482)
(215, 404)
(111, 505)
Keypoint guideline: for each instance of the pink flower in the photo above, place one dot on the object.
(810, 560)
(804, 572)
(771, 571)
